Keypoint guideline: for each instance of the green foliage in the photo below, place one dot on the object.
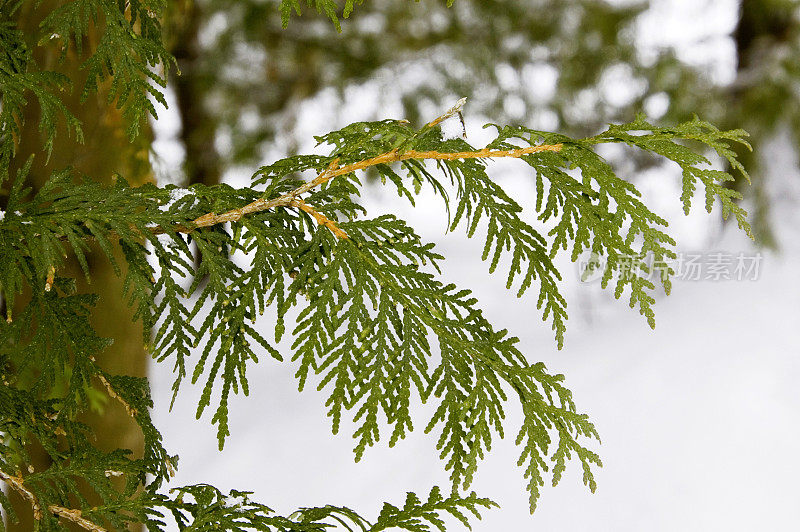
(203, 507)
(329, 8)
(374, 324)
(128, 52)
(19, 79)
(372, 309)
(660, 140)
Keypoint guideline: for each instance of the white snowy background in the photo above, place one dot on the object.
(699, 418)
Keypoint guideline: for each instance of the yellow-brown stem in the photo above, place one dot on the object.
(113, 394)
(289, 199)
(17, 484)
(320, 218)
(76, 517)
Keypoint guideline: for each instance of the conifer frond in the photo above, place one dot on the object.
(201, 507)
(661, 140)
(128, 52)
(329, 8)
(52, 492)
(418, 516)
(20, 78)
(375, 324)
(372, 309)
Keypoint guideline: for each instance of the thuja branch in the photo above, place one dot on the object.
(290, 199)
(76, 517)
(320, 218)
(17, 484)
(114, 395)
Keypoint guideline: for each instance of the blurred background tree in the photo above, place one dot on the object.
(568, 65)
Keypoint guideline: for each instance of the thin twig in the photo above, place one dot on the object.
(290, 199)
(76, 517)
(128, 408)
(453, 111)
(113, 394)
(51, 274)
(320, 218)
(17, 484)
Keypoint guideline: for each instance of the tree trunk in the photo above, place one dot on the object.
(763, 25)
(105, 152)
(198, 128)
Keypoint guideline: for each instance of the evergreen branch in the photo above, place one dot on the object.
(127, 52)
(290, 199)
(421, 516)
(320, 218)
(17, 484)
(204, 507)
(76, 517)
(114, 395)
(369, 315)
